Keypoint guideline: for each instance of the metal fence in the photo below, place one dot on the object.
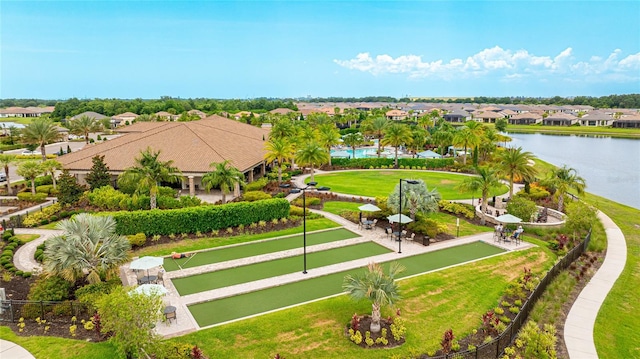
(51, 311)
(495, 348)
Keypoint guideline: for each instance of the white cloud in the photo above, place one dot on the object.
(504, 63)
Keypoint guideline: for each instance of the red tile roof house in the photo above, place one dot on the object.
(192, 146)
(396, 115)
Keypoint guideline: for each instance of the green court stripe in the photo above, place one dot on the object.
(226, 309)
(261, 270)
(253, 249)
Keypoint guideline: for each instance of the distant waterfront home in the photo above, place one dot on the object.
(191, 145)
(525, 118)
(630, 121)
(596, 118)
(488, 116)
(560, 119)
(30, 111)
(457, 116)
(396, 115)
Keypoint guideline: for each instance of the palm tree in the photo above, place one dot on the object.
(279, 150)
(467, 138)
(442, 137)
(225, 176)
(353, 140)
(396, 135)
(283, 128)
(376, 286)
(7, 160)
(415, 197)
(419, 137)
(562, 180)
(40, 132)
(486, 180)
(88, 248)
(312, 154)
(30, 170)
(148, 172)
(513, 162)
(84, 125)
(376, 127)
(328, 135)
(51, 166)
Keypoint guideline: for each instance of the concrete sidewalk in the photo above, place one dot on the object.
(11, 350)
(578, 328)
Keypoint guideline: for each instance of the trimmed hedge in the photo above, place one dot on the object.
(388, 162)
(199, 219)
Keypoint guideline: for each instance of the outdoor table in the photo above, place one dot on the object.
(396, 235)
(149, 279)
(170, 312)
(367, 224)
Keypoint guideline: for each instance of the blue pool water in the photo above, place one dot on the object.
(360, 152)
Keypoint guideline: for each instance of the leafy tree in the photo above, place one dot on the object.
(7, 160)
(30, 170)
(148, 172)
(415, 197)
(353, 140)
(88, 248)
(312, 154)
(522, 208)
(40, 132)
(131, 317)
(279, 150)
(51, 166)
(442, 137)
(69, 191)
(376, 127)
(501, 124)
(515, 163)
(486, 180)
(376, 286)
(225, 176)
(580, 218)
(396, 135)
(563, 179)
(99, 175)
(328, 135)
(84, 125)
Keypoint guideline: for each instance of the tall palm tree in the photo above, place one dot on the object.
(225, 176)
(312, 154)
(395, 136)
(279, 150)
(486, 180)
(513, 162)
(353, 140)
(148, 172)
(30, 170)
(84, 125)
(562, 180)
(41, 132)
(380, 288)
(51, 166)
(328, 136)
(283, 128)
(442, 137)
(88, 248)
(466, 138)
(7, 160)
(419, 137)
(376, 127)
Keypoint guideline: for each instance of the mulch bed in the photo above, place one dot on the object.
(365, 324)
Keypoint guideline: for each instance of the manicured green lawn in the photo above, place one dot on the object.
(261, 270)
(59, 348)
(617, 328)
(222, 310)
(27, 237)
(380, 183)
(253, 249)
(191, 245)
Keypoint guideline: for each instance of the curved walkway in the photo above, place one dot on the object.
(578, 328)
(23, 258)
(11, 350)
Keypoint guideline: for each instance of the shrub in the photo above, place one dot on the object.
(256, 185)
(428, 226)
(251, 196)
(33, 219)
(522, 207)
(309, 201)
(27, 196)
(465, 210)
(137, 240)
(50, 288)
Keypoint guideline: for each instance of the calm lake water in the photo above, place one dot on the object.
(610, 166)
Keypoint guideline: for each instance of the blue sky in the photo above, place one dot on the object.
(248, 49)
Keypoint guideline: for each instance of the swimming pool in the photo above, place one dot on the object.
(368, 152)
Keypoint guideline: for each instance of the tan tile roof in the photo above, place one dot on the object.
(191, 145)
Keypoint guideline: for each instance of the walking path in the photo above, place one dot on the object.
(23, 257)
(11, 350)
(578, 328)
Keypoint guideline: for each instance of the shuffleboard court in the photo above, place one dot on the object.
(253, 249)
(248, 273)
(240, 306)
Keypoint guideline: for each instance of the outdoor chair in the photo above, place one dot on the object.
(373, 226)
(388, 231)
(160, 279)
(139, 276)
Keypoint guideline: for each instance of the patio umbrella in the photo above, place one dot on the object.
(146, 263)
(399, 218)
(428, 154)
(150, 289)
(508, 218)
(369, 208)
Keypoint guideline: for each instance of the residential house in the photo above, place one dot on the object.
(197, 113)
(525, 118)
(596, 118)
(166, 116)
(396, 115)
(123, 118)
(457, 116)
(560, 119)
(627, 121)
(488, 116)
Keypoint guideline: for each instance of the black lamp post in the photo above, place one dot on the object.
(310, 185)
(400, 213)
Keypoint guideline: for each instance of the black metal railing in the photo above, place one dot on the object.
(51, 311)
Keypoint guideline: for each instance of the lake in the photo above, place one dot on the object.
(610, 166)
